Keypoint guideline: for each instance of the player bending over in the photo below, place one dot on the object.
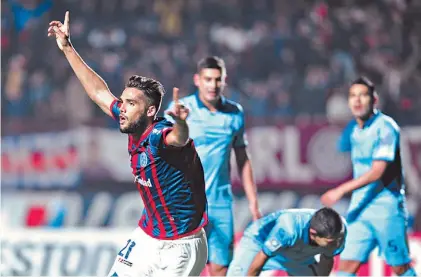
(289, 240)
(170, 239)
(377, 213)
(217, 126)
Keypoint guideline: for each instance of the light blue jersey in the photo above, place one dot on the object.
(284, 237)
(285, 234)
(377, 140)
(214, 135)
(377, 212)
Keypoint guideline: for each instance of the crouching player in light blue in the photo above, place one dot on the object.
(289, 240)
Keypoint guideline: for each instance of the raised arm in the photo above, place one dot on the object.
(94, 85)
(179, 136)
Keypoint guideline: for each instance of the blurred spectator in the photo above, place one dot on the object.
(337, 106)
(16, 105)
(283, 57)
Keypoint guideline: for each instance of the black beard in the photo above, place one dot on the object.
(137, 127)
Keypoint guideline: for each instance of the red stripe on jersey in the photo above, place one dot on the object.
(134, 160)
(141, 190)
(144, 204)
(161, 197)
(197, 229)
(152, 203)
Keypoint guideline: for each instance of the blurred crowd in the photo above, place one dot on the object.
(285, 59)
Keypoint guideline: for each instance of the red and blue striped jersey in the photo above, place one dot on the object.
(170, 181)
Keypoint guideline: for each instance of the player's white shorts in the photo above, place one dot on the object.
(146, 256)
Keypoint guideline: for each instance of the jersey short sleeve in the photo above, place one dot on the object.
(159, 132)
(386, 144)
(240, 139)
(278, 238)
(344, 143)
(115, 109)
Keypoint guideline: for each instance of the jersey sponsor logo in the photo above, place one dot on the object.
(145, 183)
(143, 158)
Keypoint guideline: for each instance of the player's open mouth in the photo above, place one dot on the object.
(122, 119)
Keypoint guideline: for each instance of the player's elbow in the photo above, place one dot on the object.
(176, 140)
(180, 142)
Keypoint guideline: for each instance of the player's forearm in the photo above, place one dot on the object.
(255, 267)
(94, 85)
(254, 271)
(372, 175)
(250, 187)
(324, 267)
(257, 264)
(179, 135)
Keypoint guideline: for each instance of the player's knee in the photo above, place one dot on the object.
(403, 270)
(349, 266)
(217, 270)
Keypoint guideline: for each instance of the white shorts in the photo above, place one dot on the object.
(143, 255)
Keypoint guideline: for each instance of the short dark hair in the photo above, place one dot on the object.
(362, 80)
(153, 89)
(212, 62)
(327, 223)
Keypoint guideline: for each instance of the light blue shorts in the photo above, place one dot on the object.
(220, 233)
(387, 234)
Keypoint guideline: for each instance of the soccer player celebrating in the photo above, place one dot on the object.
(289, 240)
(217, 126)
(377, 214)
(170, 239)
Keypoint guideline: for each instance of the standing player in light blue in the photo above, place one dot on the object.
(216, 127)
(377, 214)
(289, 240)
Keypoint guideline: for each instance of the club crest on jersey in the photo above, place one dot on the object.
(143, 159)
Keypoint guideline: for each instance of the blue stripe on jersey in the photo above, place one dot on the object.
(158, 227)
(171, 184)
(149, 213)
(160, 203)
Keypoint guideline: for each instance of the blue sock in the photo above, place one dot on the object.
(344, 273)
(409, 272)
